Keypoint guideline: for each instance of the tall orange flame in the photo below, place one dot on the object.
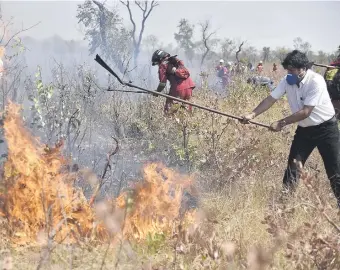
(154, 204)
(40, 196)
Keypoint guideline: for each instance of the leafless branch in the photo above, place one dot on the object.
(5, 29)
(146, 10)
(107, 166)
(205, 38)
(19, 32)
(127, 4)
(238, 51)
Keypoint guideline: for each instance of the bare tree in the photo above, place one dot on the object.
(206, 39)
(11, 66)
(238, 51)
(146, 10)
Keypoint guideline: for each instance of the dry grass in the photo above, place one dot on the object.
(243, 222)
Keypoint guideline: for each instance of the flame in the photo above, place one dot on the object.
(40, 197)
(153, 205)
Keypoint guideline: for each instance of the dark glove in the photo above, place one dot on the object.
(160, 88)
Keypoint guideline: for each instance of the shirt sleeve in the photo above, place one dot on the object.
(162, 73)
(279, 90)
(314, 93)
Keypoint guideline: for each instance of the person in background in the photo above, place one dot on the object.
(222, 73)
(230, 67)
(314, 113)
(332, 78)
(274, 67)
(172, 69)
(259, 67)
(261, 81)
(250, 67)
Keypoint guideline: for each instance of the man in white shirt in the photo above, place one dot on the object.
(313, 110)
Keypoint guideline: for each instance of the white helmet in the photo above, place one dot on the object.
(221, 61)
(260, 62)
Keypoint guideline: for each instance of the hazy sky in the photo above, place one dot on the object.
(260, 23)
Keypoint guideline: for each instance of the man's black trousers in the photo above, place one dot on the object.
(326, 138)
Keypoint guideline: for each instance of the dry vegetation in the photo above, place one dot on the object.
(242, 221)
(209, 194)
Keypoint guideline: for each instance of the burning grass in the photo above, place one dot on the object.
(153, 206)
(245, 223)
(41, 202)
(40, 196)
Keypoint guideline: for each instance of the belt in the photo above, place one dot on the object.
(332, 120)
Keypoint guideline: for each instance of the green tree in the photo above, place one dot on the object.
(184, 38)
(104, 31)
(227, 47)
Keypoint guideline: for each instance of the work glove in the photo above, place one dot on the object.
(160, 88)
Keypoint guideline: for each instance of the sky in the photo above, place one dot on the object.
(259, 23)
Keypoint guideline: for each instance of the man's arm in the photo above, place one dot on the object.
(269, 101)
(261, 108)
(312, 99)
(264, 105)
(298, 116)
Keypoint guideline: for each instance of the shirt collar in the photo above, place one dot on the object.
(305, 78)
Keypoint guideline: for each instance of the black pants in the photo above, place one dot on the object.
(326, 138)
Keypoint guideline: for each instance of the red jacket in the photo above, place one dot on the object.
(336, 63)
(176, 84)
(259, 68)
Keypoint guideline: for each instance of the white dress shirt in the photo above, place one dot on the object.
(312, 91)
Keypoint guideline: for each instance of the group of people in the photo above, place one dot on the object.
(313, 100)
(225, 72)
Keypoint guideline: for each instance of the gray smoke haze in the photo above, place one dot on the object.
(58, 39)
(274, 23)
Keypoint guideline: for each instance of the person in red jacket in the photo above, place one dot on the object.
(259, 67)
(171, 69)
